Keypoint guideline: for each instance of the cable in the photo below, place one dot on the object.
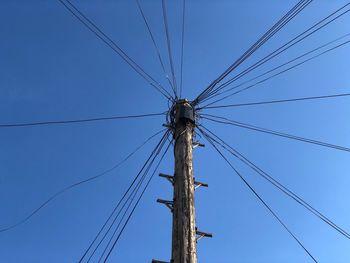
(280, 66)
(263, 130)
(276, 101)
(289, 44)
(280, 24)
(130, 199)
(136, 204)
(124, 195)
(260, 198)
(79, 120)
(252, 49)
(281, 72)
(79, 183)
(112, 44)
(182, 43)
(119, 202)
(165, 19)
(274, 182)
(92, 27)
(153, 41)
(286, 46)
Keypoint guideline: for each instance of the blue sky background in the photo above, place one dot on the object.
(53, 68)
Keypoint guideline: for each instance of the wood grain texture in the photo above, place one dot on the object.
(184, 230)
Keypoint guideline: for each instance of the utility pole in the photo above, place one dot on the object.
(184, 232)
(184, 248)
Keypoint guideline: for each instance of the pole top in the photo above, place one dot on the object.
(184, 111)
(182, 101)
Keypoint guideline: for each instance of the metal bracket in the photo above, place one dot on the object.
(168, 177)
(197, 144)
(200, 235)
(171, 180)
(199, 184)
(167, 203)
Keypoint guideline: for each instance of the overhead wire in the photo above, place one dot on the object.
(65, 189)
(306, 33)
(112, 44)
(129, 200)
(227, 121)
(123, 197)
(136, 204)
(288, 62)
(260, 198)
(286, 46)
(167, 34)
(276, 101)
(273, 181)
(182, 43)
(279, 73)
(154, 42)
(10, 125)
(276, 27)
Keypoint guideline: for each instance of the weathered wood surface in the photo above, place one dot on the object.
(184, 230)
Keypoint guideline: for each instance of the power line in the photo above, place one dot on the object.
(122, 198)
(280, 24)
(280, 72)
(136, 204)
(120, 201)
(274, 182)
(260, 198)
(165, 19)
(276, 101)
(282, 65)
(112, 44)
(130, 199)
(221, 86)
(153, 41)
(182, 43)
(79, 183)
(315, 28)
(80, 120)
(280, 134)
(245, 55)
(288, 45)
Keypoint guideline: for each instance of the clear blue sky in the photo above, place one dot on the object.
(53, 68)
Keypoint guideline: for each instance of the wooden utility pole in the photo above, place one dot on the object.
(184, 232)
